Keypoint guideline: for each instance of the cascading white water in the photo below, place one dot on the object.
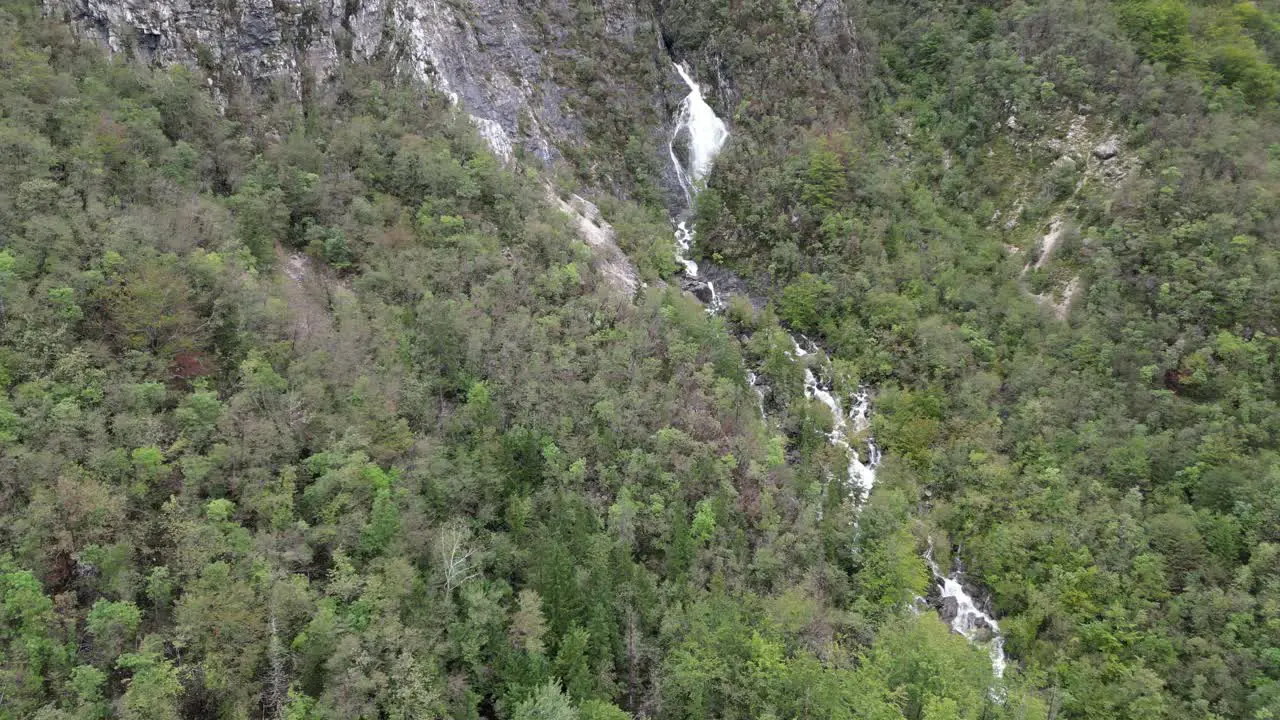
(684, 242)
(707, 135)
(969, 620)
(754, 381)
(861, 476)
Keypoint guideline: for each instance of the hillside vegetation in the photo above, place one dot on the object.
(1112, 475)
(316, 410)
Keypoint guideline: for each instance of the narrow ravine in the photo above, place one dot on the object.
(861, 477)
(706, 136)
(962, 613)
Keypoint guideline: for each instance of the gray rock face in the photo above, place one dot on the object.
(700, 290)
(607, 258)
(579, 86)
(949, 609)
(550, 78)
(1107, 149)
(828, 17)
(479, 52)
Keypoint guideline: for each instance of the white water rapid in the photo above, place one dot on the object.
(707, 135)
(861, 476)
(754, 381)
(959, 608)
(968, 619)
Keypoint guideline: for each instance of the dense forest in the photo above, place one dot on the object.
(314, 408)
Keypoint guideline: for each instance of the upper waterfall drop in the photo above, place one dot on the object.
(707, 135)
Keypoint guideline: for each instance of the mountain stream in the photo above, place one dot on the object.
(706, 135)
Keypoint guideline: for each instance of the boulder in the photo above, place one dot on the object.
(1107, 149)
(949, 609)
(702, 291)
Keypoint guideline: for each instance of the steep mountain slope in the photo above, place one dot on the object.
(480, 54)
(1057, 259)
(329, 392)
(594, 80)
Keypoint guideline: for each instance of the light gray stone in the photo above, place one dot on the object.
(1107, 149)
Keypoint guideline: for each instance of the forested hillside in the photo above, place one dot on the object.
(315, 408)
(1052, 244)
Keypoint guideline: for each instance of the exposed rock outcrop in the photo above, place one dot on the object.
(540, 79)
(829, 18)
(1107, 149)
(479, 53)
(607, 258)
(547, 78)
(1048, 243)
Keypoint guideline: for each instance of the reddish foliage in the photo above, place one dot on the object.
(61, 572)
(189, 365)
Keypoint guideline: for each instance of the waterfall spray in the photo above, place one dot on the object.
(707, 135)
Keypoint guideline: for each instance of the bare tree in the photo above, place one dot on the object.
(456, 558)
(277, 690)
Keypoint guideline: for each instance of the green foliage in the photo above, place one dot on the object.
(1224, 45)
(220, 510)
(332, 409)
(548, 702)
(1160, 28)
(28, 645)
(113, 625)
(153, 687)
(197, 416)
(88, 684)
(938, 673)
(1099, 475)
(325, 403)
(805, 303)
(384, 516)
(599, 710)
(704, 522)
(891, 572)
(262, 219)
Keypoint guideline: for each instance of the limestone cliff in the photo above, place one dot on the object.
(489, 56)
(592, 83)
(587, 88)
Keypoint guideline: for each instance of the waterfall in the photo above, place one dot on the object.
(754, 381)
(959, 609)
(967, 618)
(861, 476)
(684, 242)
(707, 135)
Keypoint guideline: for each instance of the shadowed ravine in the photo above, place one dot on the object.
(705, 135)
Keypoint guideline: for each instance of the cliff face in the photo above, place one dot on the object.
(490, 56)
(589, 87)
(544, 76)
